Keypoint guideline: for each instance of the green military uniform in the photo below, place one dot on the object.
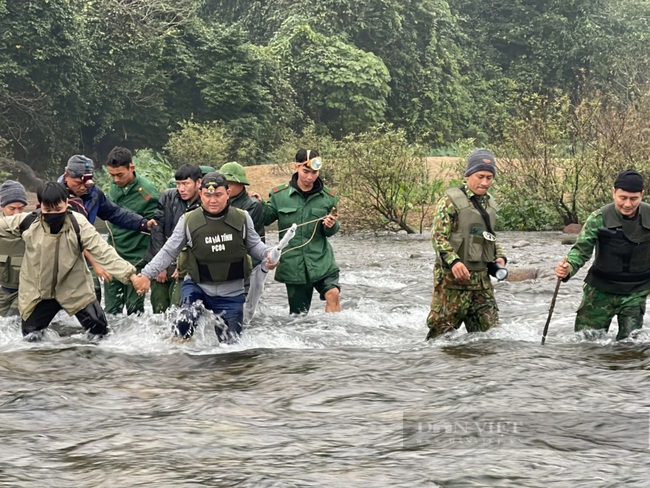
(10, 262)
(141, 197)
(308, 261)
(458, 235)
(618, 282)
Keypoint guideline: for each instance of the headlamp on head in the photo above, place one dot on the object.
(86, 178)
(210, 188)
(314, 163)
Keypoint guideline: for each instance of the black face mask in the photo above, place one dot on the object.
(55, 221)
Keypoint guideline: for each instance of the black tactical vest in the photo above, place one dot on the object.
(622, 263)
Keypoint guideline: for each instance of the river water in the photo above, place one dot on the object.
(336, 400)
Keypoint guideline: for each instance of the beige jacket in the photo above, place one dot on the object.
(54, 267)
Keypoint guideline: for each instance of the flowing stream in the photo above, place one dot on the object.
(336, 400)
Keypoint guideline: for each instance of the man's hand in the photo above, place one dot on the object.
(102, 273)
(175, 275)
(99, 271)
(151, 223)
(162, 276)
(141, 283)
(460, 272)
(270, 265)
(330, 220)
(256, 195)
(562, 270)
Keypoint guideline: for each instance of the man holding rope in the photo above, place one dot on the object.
(618, 282)
(308, 262)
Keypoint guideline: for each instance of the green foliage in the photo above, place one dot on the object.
(154, 167)
(444, 152)
(559, 160)
(383, 178)
(206, 144)
(337, 84)
(80, 76)
(518, 212)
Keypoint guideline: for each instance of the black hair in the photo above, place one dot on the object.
(119, 156)
(188, 171)
(51, 194)
(301, 155)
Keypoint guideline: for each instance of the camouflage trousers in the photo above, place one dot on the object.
(450, 308)
(598, 308)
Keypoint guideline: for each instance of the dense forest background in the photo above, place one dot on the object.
(542, 79)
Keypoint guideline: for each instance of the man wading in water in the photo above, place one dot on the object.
(464, 240)
(218, 238)
(618, 282)
(54, 275)
(309, 262)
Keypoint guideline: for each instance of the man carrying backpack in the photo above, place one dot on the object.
(54, 274)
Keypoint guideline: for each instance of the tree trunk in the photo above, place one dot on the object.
(22, 173)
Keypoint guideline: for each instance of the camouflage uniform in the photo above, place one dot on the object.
(453, 302)
(599, 307)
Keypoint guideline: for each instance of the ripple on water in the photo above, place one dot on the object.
(319, 400)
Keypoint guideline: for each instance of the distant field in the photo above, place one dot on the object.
(265, 177)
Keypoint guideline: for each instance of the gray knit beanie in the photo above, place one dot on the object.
(80, 165)
(12, 192)
(481, 160)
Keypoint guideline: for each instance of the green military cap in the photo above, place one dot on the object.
(234, 173)
(207, 169)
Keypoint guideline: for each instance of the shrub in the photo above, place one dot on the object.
(208, 144)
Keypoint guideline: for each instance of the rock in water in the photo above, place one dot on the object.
(569, 240)
(519, 244)
(521, 274)
(572, 229)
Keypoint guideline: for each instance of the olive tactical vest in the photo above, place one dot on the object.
(468, 241)
(218, 251)
(622, 262)
(10, 261)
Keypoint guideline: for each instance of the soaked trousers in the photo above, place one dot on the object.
(91, 318)
(8, 302)
(118, 294)
(97, 285)
(598, 308)
(450, 308)
(230, 309)
(164, 295)
(300, 295)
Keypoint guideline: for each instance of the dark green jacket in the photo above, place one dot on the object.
(140, 197)
(315, 260)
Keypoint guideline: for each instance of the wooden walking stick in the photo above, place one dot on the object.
(550, 311)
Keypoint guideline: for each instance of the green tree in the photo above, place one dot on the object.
(205, 144)
(337, 84)
(383, 178)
